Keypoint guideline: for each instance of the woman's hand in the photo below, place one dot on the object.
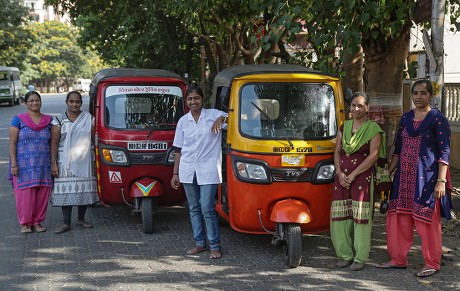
(350, 178)
(54, 170)
(14, 170)
(439, 190)
(217, 125)
(344, 180)
(175, 182)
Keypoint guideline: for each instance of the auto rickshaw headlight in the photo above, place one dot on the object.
(251, 171)
(326, 172)
(171, 156)
(114, 156)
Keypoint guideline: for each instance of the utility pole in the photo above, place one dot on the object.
(434, 46)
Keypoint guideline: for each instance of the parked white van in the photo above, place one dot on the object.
(10, 85)
(81, 85)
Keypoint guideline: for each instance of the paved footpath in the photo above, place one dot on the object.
(116, 255)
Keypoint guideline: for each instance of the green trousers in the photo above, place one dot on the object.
(347, 235)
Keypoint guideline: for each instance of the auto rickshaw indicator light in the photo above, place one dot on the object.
(114, 156)
(107, 156)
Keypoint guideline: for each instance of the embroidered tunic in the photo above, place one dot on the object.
(33, 155)
(353, 203)
(420, 145)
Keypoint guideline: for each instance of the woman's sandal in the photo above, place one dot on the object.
(215, 255)
(195, 250)
(39, 228)
(426, 272)
(85, 224)
(26, 228)
(62, 229)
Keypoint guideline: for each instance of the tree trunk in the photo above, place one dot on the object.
(353, 68)
(384, 90)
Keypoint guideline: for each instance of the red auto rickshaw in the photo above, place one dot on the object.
(278, 149)
(136, 111)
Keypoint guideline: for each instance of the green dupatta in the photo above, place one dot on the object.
(351, 143)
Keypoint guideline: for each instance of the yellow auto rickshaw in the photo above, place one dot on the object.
(278, 148)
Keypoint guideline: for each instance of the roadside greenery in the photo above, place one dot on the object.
(47, 53)
(14, 39)
(335, 35)
(55, 58)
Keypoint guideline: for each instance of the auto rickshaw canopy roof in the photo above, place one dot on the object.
(129, 73)
(225, 77)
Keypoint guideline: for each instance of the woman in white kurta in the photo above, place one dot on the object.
(73, 162)
(197, 166)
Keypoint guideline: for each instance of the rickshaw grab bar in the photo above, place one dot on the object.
(123, 196)
(262, 224)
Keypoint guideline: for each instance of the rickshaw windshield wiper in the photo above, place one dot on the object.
(263, 113)
(272, 123)
(150, 131)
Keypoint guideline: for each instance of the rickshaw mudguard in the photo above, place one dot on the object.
(291, 211)
(146, 187)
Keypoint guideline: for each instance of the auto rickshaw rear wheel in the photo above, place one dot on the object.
(293, 245)
(147, 214)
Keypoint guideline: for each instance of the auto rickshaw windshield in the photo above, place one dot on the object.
(287, 110)
(143, 110)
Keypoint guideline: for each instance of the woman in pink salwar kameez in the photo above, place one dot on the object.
(419, 197)
(30, 135)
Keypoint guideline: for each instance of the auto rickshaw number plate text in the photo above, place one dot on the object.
(147, 146)
(293, 160)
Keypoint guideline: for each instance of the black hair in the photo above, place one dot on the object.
(357, 94)
(30, 93)
(196, 89)
(73, 92)
(429, 85)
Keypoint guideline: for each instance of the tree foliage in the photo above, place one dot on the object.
(134, 34)
(168, 33)
(55, 55)
(14, 39)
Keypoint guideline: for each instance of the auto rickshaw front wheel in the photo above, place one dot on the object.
(147, 214)
(293, 235)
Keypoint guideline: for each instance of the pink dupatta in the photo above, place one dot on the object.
(44, 121)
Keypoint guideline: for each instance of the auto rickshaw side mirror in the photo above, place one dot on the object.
(223, 98)
(92, 91)
(348, 95)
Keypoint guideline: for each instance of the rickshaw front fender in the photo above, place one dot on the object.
(291, 211)
(146, 187)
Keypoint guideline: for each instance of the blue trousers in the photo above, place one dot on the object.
(201, 203)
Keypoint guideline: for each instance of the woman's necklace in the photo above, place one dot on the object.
(355, 127)
(72, 117)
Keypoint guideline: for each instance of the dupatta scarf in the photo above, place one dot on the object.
(351, 143)
(76, 154)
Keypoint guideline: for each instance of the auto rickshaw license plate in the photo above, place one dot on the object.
(293, 160)
(147, 146)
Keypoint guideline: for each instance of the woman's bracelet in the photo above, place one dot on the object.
(14, 167)
(442, 180)
(175, 174)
